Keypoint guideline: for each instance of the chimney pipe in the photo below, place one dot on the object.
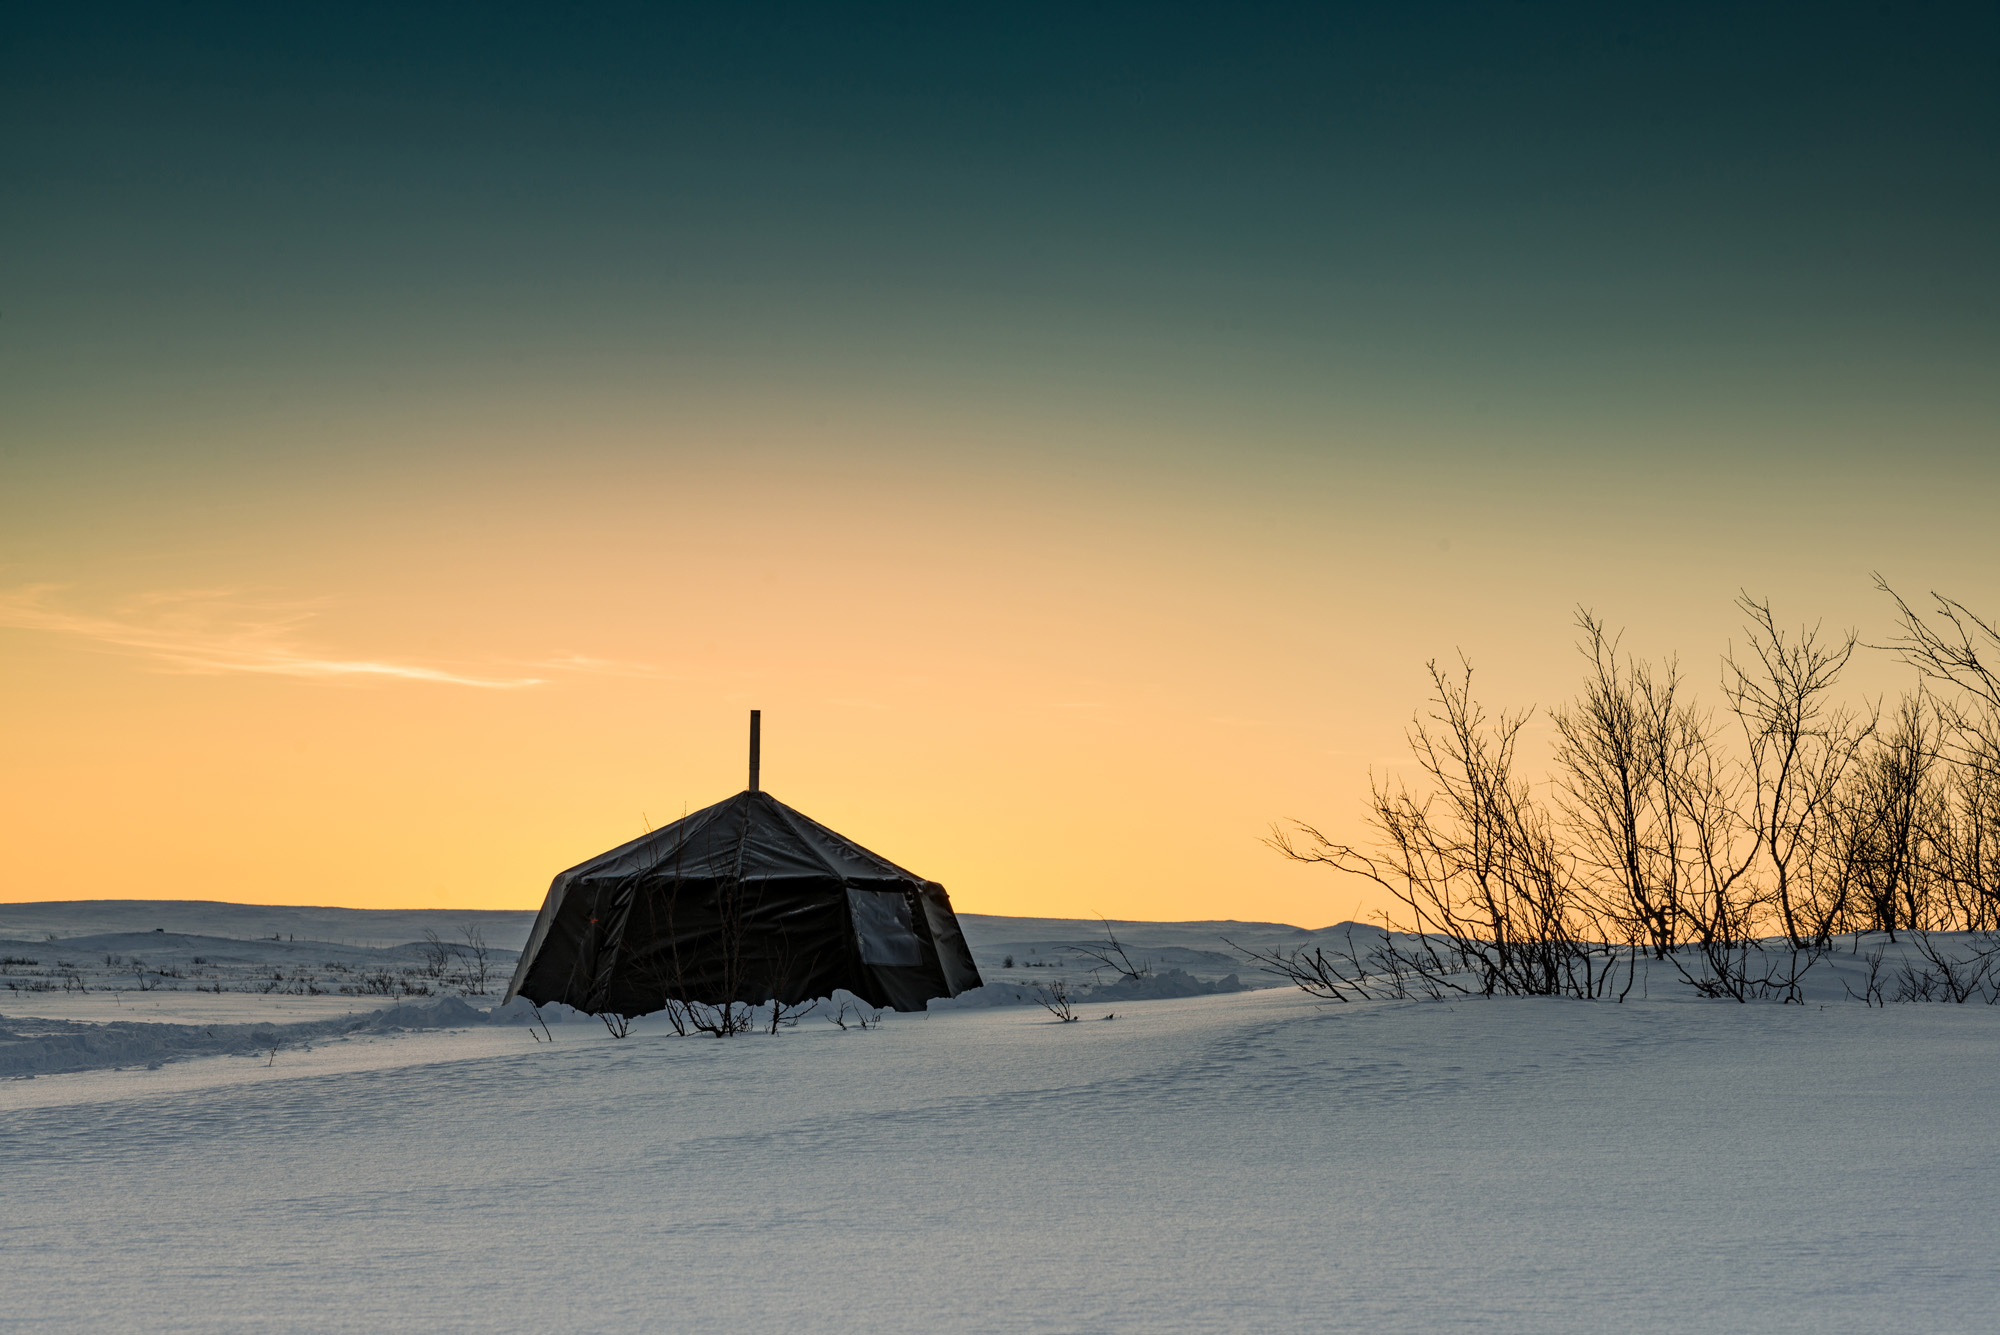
(756, 746)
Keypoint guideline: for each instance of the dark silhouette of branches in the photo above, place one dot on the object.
(854, 1016)
(1491, 902)
(1382, 972)
(1312, 971)
(1801, 746)
(1889, 813)
(1941, 973)
(479, 973)
(1054, 997)
(1111, 954)
(437, 955)
(1734, 865)
(1649, 803)
(1958, 648)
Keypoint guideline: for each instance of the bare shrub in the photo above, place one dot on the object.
(1655, 837)
(725, 972)
(1311, 971)
(1054, 997)
(785, 1016)
(1380, 973)
(723, 1021)
(1871, 983)
(436, 954)
(856, 1017)
(1940, 973)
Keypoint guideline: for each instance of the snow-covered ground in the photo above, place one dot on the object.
(1247, 1160)
(1252, 1162)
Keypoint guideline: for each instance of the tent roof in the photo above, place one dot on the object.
(772, 841)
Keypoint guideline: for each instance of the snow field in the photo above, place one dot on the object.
(1250, 1162)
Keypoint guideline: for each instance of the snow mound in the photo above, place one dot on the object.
(1161, 986)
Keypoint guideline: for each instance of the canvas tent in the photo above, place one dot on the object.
(747, 900)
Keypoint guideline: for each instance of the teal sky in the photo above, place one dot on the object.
(1535, 211)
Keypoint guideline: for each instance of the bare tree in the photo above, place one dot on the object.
(1656, 839)
(1966, 847)
(1111, 954)
(1890, 812)
(1636, 771)
(437, 955)
(1961, 651)
(1958, 651)
(480, 971)
(1800, 746)
(1491, 899)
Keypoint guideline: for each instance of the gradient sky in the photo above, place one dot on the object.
(426, 431)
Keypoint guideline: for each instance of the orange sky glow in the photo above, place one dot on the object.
(449, 665)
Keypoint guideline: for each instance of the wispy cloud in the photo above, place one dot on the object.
(216, 631)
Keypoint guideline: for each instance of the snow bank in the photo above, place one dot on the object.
(1161, 986)
(31, 1047)
(1165, 984)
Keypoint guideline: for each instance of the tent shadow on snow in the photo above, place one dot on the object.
(745, 901)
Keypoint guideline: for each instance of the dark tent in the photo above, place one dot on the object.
(747, 900)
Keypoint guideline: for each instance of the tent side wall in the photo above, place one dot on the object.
(954, 956)
(538, 937)
(787, 940)
(632, 945)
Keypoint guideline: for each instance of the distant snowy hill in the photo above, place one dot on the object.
(374, 928)
(1200, 948)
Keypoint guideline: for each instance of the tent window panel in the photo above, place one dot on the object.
(882, 924)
